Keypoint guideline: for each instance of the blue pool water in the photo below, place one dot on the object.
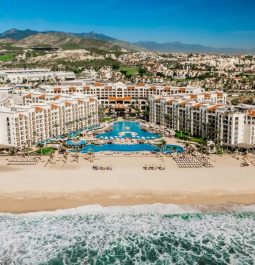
(72, 143)
(127, 129)
(130, 148)
(169, 148)
(119, 148)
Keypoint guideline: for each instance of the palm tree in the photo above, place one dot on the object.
(40, 145)
(13, 151)
(65, 156)
(162, 145)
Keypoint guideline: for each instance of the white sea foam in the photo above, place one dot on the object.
(118, 210)
(37, 238)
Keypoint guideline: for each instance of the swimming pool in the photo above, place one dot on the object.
(76, 143)
(170, 148)
(129, 148)
(119, 148)
(127, 129)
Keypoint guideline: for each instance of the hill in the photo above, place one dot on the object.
(189, 48)
(16, 34)
(30, 38)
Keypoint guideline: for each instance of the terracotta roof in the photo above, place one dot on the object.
(68, 104)
(182, 89)
(98, 84)
(86, 88)
(183, 103)
(251, 113)
(38, 109)
(170, 100)
(119, 99)
(72, 89)
(140, 84)
(152, 88)
(41, 97)
(56, 97)
(197, 105)
(54, 106)
(167, 88)
(28, 96)
(213, 108)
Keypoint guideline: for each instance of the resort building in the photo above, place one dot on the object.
(33, 75)
(207, 116)
(31, 122)
(119, 96)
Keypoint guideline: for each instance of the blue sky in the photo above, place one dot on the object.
(218, 23)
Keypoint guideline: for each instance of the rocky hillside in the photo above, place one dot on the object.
(31, 39)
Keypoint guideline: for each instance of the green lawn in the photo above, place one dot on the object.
(6, 57)
(104, 119)
(46, 151)
(131, 70)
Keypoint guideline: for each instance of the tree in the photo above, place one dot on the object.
(235, 101)
(13, 151)
(159, 74)
(124, 72)
(162, 145)
(115, 66)
(142, 71)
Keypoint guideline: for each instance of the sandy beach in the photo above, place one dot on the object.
(72, 184)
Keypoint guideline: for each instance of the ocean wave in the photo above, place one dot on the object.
(145, 234)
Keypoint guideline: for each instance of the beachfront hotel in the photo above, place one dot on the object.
(37, 114)
(25, 122)
(206, 115)
(119, 96)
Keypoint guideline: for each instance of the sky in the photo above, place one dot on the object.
(217, 23)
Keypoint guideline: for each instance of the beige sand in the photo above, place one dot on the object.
(36, 188)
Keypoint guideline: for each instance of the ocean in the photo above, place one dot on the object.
(146, 234)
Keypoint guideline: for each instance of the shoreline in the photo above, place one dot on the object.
(18, 203)
(75, 184)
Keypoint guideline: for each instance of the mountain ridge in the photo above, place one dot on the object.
(30, 38)
(102, 41)
(177, 46)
